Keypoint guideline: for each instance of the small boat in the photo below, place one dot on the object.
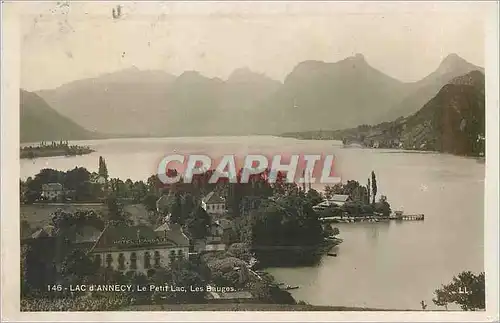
(331, 254)
(288, 287)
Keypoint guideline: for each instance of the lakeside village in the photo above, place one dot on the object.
(61, 148)
(82, 228)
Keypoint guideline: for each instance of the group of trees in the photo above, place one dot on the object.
(230, 269)
(83, 186)
(285, 231)
(357, 192)
(53, 259)
(466, 290)
(53, 149)
(185, 210)
(362, 199)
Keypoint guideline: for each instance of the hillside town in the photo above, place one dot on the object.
(163, 151)
(79, 228)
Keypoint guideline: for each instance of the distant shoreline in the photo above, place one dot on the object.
(52, 150)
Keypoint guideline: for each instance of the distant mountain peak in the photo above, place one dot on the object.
(359, 57)
(356, 60)
(244, 74)
(453, 62)
(189, 76)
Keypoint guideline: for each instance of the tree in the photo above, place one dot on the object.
(149, 201)
(25, 286)
(197, 223)
(229, 271)
(327, 230)
(188, 273)
(368, 191)
(79, 265)
(25, 228)
(116, 213)
(176, 214)
(466, 290)
(382, 206)
(240, 250)
(314, 197)
(374, 187)
(103, 169)
(286, 231)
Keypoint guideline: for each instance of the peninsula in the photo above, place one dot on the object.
(63, 148)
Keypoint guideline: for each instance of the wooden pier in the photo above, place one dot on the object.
(351, 219)
(407, 217)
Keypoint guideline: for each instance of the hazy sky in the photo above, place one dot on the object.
(62, 43)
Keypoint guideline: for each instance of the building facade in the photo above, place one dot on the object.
(335, 200)
(214, 204)
(140, 248)
(52, 191)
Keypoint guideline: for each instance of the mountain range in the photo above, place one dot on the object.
(39, 122)
(314, 95)
(453, 121)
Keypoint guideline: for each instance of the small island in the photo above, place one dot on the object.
(63, 148)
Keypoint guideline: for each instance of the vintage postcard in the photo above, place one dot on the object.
(257, 161)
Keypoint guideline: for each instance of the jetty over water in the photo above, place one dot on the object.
(408, 217)
(398, 216)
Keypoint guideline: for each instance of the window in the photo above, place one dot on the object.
(109, 260)
(121, 261)
(172, 256)
(133, 260)
(180, 254)
(98, 259)
(157, 259)
(147, 260)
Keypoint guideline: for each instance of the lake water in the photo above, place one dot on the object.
(383, 265)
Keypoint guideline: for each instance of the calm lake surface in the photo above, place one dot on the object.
(382, 265)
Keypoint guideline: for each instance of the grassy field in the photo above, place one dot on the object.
(39, 215)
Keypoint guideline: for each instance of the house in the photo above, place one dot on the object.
(52, 191)
(50, 243)
(47, 231)
(214, 204)
(220, 231)
(335, 200)
(340, 199)
(220, 226)
(140, 248)
(97, 179)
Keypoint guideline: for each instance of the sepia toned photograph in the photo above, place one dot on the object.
(252, 156)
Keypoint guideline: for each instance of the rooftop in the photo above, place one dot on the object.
(47, 231)
(339, 198)
(52, 187)
(124, 237)
(213, 198)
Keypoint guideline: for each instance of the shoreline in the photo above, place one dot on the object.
(41, 151)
